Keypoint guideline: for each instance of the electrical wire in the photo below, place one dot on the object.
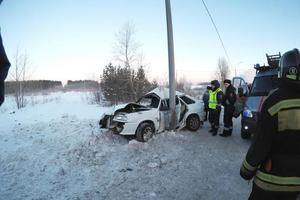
(220, 38)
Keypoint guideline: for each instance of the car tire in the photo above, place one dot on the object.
(245, 135)
(193, 123)
(144, 132)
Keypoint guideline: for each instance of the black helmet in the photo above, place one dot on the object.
(289, 67)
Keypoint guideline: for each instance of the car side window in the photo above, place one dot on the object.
(164, 105)
(187, 100)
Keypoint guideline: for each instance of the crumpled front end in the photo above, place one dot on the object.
(107, 122)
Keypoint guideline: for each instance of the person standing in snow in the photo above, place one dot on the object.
(215, 106)
(228, 103)
(205, 99)
(4, 66)
(273, 158)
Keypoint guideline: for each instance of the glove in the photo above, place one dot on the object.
(227, 102)
(247, 172)
(219, 108)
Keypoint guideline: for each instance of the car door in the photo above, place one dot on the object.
(165, 114)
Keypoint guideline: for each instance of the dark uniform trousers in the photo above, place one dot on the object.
(214, 118)
(228, 114)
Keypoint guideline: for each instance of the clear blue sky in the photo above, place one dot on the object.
(67, 39)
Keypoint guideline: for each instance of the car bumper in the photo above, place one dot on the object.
(121, 128)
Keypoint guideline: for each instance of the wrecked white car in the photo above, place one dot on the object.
(150, 115)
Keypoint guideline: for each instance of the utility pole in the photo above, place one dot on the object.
(172, 83)
(235, 74)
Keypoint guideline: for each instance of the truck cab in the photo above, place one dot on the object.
(265, 80)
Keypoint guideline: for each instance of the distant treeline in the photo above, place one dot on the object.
(82, 84)
(11, 87)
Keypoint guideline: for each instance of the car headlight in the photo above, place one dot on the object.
(121, 117)
(247, 113)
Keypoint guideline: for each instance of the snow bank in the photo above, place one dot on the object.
(55, 150)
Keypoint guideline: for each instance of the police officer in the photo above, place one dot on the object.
(273, 158)
(205, 99)
(228, 102)
(215, 106)
(4, 66)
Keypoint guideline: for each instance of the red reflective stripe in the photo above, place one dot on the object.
(262, 101)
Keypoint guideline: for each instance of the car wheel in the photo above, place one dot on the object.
(144, 132)
(193, 123)
(245, 134)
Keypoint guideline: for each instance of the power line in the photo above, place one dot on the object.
(217, 32)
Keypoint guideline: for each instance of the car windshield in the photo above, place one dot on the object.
(149, 101)
(263, 85)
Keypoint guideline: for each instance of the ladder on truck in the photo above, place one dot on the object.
(273, 60)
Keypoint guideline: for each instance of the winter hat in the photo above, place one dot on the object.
(227, 81)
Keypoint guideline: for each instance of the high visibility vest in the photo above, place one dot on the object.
(212, 102)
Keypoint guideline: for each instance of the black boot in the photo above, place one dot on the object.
(214, 132)
(225, 133)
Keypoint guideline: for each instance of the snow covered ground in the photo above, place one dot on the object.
(53, 149)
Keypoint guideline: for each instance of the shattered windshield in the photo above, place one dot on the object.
(149, 101)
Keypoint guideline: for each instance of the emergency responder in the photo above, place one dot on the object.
(215, 106)
(228, 101)
(4, 66)
(273, 158)
(205, 99)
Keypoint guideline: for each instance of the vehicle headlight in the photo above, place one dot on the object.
(247, 113)
(120, 117)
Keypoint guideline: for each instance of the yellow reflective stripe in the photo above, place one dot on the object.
(289, 120)
(248, 166)
(293, 77)
(272, 187)
(278, 179)
(284, 104)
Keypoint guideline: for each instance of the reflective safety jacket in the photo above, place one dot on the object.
(273, 158)
(215, 98)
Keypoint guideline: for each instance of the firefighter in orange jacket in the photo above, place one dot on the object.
(273, 158)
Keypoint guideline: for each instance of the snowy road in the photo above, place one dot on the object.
(70, 158)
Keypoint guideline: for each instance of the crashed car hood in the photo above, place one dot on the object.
(121, 107)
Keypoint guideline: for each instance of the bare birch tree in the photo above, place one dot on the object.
(222, 71)
(126, 51)
(19, 75)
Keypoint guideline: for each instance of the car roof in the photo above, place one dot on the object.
(270, 72)
(163, 92)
